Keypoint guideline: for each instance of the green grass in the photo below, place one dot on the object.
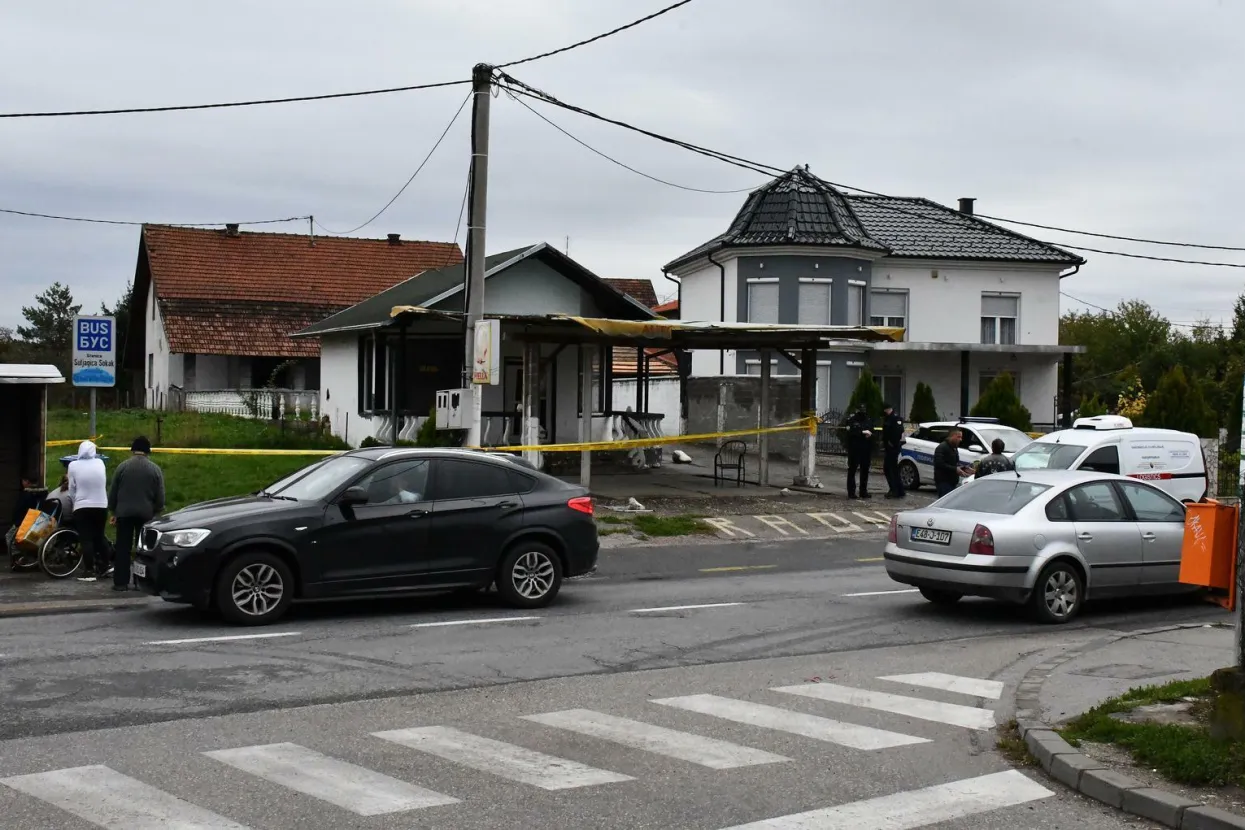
(684, 525)
(1184, 754)
(613, 520)
(191, 478)
(1013, 747)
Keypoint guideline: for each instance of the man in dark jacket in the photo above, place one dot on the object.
(995, 462)
(947, 467)
(136, 496)
(859, 451)
(892, 443)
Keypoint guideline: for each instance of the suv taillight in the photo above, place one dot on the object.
(893, 535)
(583, 504)
(982, 541)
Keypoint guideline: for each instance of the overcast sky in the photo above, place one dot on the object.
(1110, 115)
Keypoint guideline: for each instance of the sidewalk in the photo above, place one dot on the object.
(1065, 687)
(33, 592)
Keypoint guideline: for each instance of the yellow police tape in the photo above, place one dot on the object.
(71, 443)
(808, 425)
(222, 451)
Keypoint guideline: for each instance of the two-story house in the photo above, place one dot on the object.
(974, 298)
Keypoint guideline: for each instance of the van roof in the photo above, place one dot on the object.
(1090, 437)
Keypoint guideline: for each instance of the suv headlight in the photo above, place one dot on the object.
(184, 538)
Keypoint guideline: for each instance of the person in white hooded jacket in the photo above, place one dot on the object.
(88, 490)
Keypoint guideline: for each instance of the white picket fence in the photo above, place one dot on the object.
(249, 403)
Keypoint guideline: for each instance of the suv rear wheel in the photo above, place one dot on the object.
(908, 476)
(530, 575)
(255, 588)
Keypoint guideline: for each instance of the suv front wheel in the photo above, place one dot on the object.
(255, 588)
(530, 575)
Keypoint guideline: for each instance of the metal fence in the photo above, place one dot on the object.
(829, 436)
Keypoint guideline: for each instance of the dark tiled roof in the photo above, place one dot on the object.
(641, 291)
(920, 228)
(797, 208)
(240, 327)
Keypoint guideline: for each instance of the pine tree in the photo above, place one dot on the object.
(1178, 404)
(1091, 407)
(923, 406)
(867, 392)
(50, 332)
(1000, 401)
(121, 313)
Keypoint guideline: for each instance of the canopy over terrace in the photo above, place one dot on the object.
(799, 344)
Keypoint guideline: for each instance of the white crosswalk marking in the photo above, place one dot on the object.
(873, 520)
(780, 523)
(916, 808)
(504, 760)
(708, 752)
(992, 689)
(838, 525)
(353, 788)
(797, 723)
(954, 714)
(108, 799)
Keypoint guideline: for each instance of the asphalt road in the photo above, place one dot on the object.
(145, 693)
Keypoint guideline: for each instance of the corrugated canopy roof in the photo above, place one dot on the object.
(30, 373)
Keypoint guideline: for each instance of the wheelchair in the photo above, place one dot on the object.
(60, 555)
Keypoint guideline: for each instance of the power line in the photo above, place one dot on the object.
(613, 160)
(251, 103)
(1110, 236)
(518, 87)
(126, 222)
(601, 36)
(1113, 313)
(402, 189)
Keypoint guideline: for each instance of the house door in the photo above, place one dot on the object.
(512, 380)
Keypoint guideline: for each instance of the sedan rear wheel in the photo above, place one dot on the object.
(941, 597)
(254, 589)
(1059, 593)
(530, 575)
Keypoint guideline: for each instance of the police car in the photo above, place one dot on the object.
(916, 459)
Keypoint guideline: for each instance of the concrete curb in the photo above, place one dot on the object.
(70, 606)
(1092, 778)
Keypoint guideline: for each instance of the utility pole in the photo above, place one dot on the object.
(1239, 610)
(477, 203)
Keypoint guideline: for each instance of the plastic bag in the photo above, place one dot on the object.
(36, 526)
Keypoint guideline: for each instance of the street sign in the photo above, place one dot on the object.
(487, 367)
(94, 351)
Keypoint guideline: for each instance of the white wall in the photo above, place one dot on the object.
(339, 389)
(1038, 376)
(531, 287)
(156, 379)
(947, 308)
(663, 399)
(700, 299)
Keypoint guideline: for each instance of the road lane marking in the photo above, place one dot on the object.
(354, 788)
(727, 526)
(871, 519)
(480, 621)
(872, 559)
(992, 689)
(954, 714)
(737, 568)
(797, 723)
(225, 639)
(505, 760)
(707, 752)
(779, 522)
(916, 808)
(684, 607)
(882, 593)
(108, 799)
(839, 525)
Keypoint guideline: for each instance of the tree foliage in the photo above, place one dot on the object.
(923, 407)
(1179, 404)
(1001, 401)
(49, 330)
(867, 392)
(1091, 407)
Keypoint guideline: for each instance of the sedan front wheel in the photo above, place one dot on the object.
(530, 575)
(1058, 594)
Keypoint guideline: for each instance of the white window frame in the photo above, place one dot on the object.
(822, 403)
(829, 296)
(863, 309)
(998, 319)
(751, 281)
(891, 321)
(749, 362)
(896, 401)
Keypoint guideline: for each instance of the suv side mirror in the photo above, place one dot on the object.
(353, 496)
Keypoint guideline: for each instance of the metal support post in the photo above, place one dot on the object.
(763, 420)
(807, 476)
(92, 430)
(482, 89)
(585, 414)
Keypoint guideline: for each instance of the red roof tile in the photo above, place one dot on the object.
(623, 361)
(244, 294)
(641, 291)
(670, 309)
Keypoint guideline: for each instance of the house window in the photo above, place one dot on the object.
(853, 374)
(763, 301)
(151, 369)
(892, 390)
(998, 318)
(815, 302)
(823, 388)
(889, 308)
(855, 303)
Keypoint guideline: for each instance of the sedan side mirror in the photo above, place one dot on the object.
(353, 496)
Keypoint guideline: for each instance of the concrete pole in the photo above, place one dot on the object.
(807, 476)
(763, 420)
(92, 429)
(477, 205)
(1239, 610)
(531, 393)
(585, 414)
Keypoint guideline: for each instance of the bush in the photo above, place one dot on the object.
(1091, 407)
(867, 392)
(1179, 404)
(923, 407)
(1000, 401)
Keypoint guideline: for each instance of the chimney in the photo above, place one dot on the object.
(395, 239)
(231, 229)
(966, 205)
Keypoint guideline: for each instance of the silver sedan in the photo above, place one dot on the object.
(1050, 538)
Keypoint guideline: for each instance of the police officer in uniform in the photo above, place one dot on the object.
(859, 451)
(892, 442)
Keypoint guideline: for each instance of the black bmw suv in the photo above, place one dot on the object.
(374, 522)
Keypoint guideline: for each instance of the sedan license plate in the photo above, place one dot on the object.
(937, 537)
(139, 569)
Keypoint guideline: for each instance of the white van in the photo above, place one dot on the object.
(1168, 459)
